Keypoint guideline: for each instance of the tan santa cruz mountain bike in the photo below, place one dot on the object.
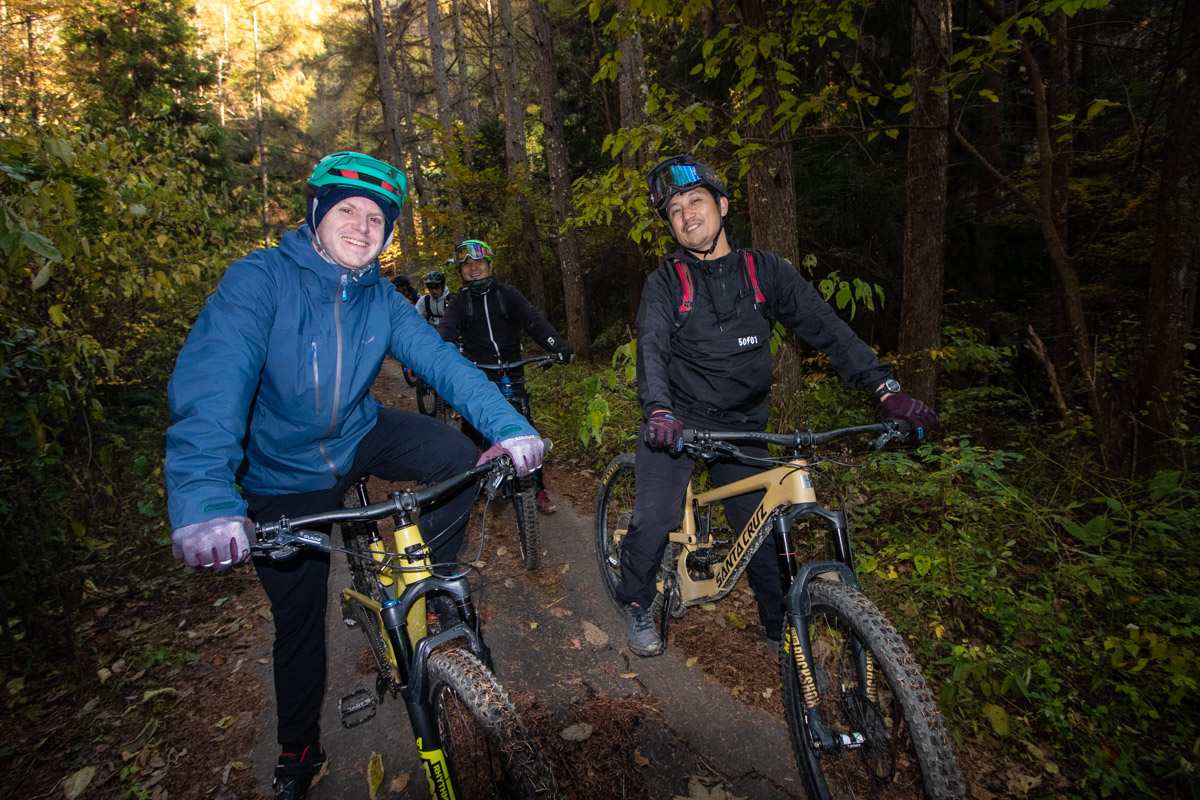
(863, 721)
(470, 738)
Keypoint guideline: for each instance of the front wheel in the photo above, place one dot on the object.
(410, 377)
(528, 528)
(885, 737)
(488, 750)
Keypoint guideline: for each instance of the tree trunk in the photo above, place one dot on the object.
(925, 216)
(1171, 301)
(560, 183)
(466, 110)
(770, 189)
(423, 193)
(262, 145)
(387, 98)
(631, 93)
(517, 158)
(437, 55)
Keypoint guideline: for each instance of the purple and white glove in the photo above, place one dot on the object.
(919, 416)
(216, 543)
(526, 453)
(664, 432)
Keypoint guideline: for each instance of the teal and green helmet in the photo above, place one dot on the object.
(472, 248)
(348, 174)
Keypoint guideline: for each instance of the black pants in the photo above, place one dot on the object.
(661, 483)
(519, 401)
(402, 446)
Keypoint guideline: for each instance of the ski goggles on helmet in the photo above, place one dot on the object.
(472, 248)
(679, 174)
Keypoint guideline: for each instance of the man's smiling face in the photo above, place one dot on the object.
(352, 232)
(695, 218)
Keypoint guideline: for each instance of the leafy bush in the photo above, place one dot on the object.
(108, 250)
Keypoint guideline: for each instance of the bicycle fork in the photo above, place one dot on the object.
(798, 643)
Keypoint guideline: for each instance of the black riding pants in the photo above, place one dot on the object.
(402, 446)
(519, 393)
(661, 483)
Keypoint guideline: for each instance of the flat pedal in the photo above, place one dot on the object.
(356, 708)
(348, 615)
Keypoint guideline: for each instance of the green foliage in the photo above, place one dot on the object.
(107, 252)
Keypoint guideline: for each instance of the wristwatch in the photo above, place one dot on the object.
(890, 386)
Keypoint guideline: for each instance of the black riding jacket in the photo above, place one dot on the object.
(720, 360)
(489, 336)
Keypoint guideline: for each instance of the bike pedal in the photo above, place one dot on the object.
(348, 617)
(356, 708)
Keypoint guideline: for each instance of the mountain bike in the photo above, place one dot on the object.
(862, 720)
(523, 491)
(471, 740)
(432, 404)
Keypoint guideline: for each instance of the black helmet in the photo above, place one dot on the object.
(679, 174)
(435, 278)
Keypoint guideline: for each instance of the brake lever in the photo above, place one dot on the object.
(287, 543)
(493, 483)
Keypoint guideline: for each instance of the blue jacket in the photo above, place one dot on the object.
(272, 388)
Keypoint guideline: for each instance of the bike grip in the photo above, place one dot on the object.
(549, 445)
(688, 436)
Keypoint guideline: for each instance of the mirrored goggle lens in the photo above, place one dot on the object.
(677, 177)
(476, 251)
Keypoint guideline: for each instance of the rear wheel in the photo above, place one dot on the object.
(410, 377)
(357, 537)
(614, 510)
(888, 737)
(489, 751)
(528, 527)
(425, 397)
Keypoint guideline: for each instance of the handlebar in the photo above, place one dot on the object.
(276, 536)
(548, 360)
(887, 431)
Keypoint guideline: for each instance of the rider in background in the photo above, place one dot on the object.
(432, 304)
(487, 317)
(710, 367)
(404, 286)
(272, 416)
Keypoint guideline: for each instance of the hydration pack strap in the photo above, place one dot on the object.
(689, 290)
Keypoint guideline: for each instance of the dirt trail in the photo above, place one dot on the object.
(559, 649)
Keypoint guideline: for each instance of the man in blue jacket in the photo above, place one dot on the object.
(271, 392)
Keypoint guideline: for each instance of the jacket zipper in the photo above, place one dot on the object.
(337, 379)
(312, 359)
(487, 315)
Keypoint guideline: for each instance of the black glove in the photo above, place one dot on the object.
(664, 432)
(566, 354)
(922, 418)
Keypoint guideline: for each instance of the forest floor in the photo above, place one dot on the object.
(178, 703)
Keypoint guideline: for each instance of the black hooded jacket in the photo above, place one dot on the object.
(721, 358)
(490, 335)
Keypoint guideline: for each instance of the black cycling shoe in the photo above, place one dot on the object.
(295, 774)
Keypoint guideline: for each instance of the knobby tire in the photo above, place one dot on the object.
(529, 531)
(907, 752)
(490, 752)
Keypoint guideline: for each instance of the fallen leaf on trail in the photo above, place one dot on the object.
(578, 732)
(768, 692)
(265, 613)
(532, 625)
(263, 660)
(565, 568)
(691, 662)
(226, 721)
(640, 759)
(698, 791)
(556, 612)
(15, 686)
(220, 602)
(375, 774)
(593, 634)
(629, 674)
(153, 693)
(118, 666)
(501, 551)
(77, 781)
(576, 644)
(709, 606)
(399, 783)
(509, 583)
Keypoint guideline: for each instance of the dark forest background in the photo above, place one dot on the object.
(1003, 199)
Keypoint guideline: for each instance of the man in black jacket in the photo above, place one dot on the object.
(704, 361)
(486, 319)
